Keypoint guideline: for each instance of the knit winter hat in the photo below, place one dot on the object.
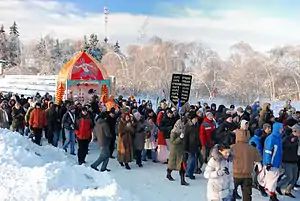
(137, 115)
(228, 116)
(258, 132)
(296, 127)
(209, 114)
(134, 111)
(243, 124)
(200, 111)
(192, 114)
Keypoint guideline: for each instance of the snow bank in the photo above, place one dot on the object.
(31, 172)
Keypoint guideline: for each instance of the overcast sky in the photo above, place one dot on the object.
(263, 24)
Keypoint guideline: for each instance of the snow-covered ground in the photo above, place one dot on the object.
(29, 172)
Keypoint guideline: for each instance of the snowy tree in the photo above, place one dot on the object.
(14, 46)
(41, 56)
(86, 44)
(57, 50)
(92, 47)
(3, 44)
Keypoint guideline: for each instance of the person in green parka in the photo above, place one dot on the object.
(177, 154)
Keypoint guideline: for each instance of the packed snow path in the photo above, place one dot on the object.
(29, 172)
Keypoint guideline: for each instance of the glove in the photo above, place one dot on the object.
(253, 144)
(220, 173)
(268, 167)
(226, 171)
(181, 135)
(293, 139)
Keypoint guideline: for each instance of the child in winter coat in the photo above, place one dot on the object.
(218, 171)
(150, 142)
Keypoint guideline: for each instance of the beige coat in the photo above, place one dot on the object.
(244, 155)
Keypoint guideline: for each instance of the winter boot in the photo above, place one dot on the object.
(127, 166)
(278, 190)
(182, 179)
(169, 176)
(236, 196)
(273, 198)
(198, 171)
(262, 191)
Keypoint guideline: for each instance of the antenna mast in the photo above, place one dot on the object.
(141, 31)
(105, 11)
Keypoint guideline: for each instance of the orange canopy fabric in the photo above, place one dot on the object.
(82, 67)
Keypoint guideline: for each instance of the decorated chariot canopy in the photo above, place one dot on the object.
(81, 75)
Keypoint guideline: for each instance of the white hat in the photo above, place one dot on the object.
(243, 124)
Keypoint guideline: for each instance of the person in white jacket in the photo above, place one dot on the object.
(219, 174)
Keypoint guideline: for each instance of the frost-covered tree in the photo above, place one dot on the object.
(92, 47)
(14, 46)
(41, 56)
(3, 44)
(86, 44)
(57, 50)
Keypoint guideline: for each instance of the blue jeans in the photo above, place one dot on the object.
(56, 135)
(70, 139)
(103, 158)
(27, 130)
(153, 154)
(192, 161)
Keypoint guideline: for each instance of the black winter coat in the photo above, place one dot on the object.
(112, 122)
(223, 134)
(54, 120)
(192, 138)
(166, 126)
(68, 122)
(290, 149)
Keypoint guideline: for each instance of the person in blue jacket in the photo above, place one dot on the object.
(256, 141)
(272, 159)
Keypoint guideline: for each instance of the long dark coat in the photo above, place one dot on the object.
(125, 144)
(139, 135)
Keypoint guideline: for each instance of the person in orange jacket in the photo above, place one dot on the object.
(37, 123)
(83, 130)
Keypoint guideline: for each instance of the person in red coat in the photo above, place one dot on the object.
(206, 129)
(83, 130)
(162, 151)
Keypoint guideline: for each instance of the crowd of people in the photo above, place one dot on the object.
(232, 147)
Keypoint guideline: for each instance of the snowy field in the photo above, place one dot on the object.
(32, 173)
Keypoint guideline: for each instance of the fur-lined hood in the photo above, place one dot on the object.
(216, 155)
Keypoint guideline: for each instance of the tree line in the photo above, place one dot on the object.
(146, 69)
